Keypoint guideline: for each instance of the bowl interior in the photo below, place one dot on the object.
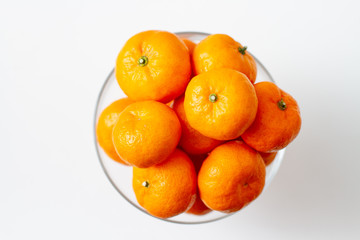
(120, 176)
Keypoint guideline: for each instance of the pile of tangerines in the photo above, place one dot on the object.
(196, 128)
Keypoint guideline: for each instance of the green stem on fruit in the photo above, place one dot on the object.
(242, 50)
(146, 184)
(213, 97)
(282, 105)
(143, 61)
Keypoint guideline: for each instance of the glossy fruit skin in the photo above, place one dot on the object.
(167, 70)
(233, 111)
(171, 186)
(231, 177)
(105, 125)
(198, 208)
(268, 157)
(273, 128)
(222, 51)
(191, 46)
(191, 141)
(146, 133)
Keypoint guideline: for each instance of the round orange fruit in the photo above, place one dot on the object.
(146, 133)
(153, 65)
(198, 208)
(105, 125)
(231, 177)
(220, 103)
(277, 122)
(222, 51)
(166, 189)
(191, 141)
(191, 46)
(268, 157)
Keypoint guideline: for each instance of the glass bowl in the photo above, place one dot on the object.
(120, 176)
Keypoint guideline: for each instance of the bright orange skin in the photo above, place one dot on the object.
(105, 125)
(273, 128)
(222, 51)
(146, 133)
(233, 111)
(191, 46)
(167, 72)
(231, 177)
(268, 157)
(191, 141)
(198, 208)
(171, 186)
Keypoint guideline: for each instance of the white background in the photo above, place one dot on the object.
(54, 57)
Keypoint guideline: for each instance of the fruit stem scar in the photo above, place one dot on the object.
(146, 184)
(143, 61)
(242, 50)
(282, 105)
(212, 97)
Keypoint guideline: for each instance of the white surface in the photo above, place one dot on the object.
(54, 57)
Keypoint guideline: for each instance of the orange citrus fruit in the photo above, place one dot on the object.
(153, 65)
(277, 122)
(231, 177)
(105, 125)
(191, 141)
(222, 51)
(268, 157)
(166, 189)
(146, 133)
(220, 103)
(191, 46)
(198, 208)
